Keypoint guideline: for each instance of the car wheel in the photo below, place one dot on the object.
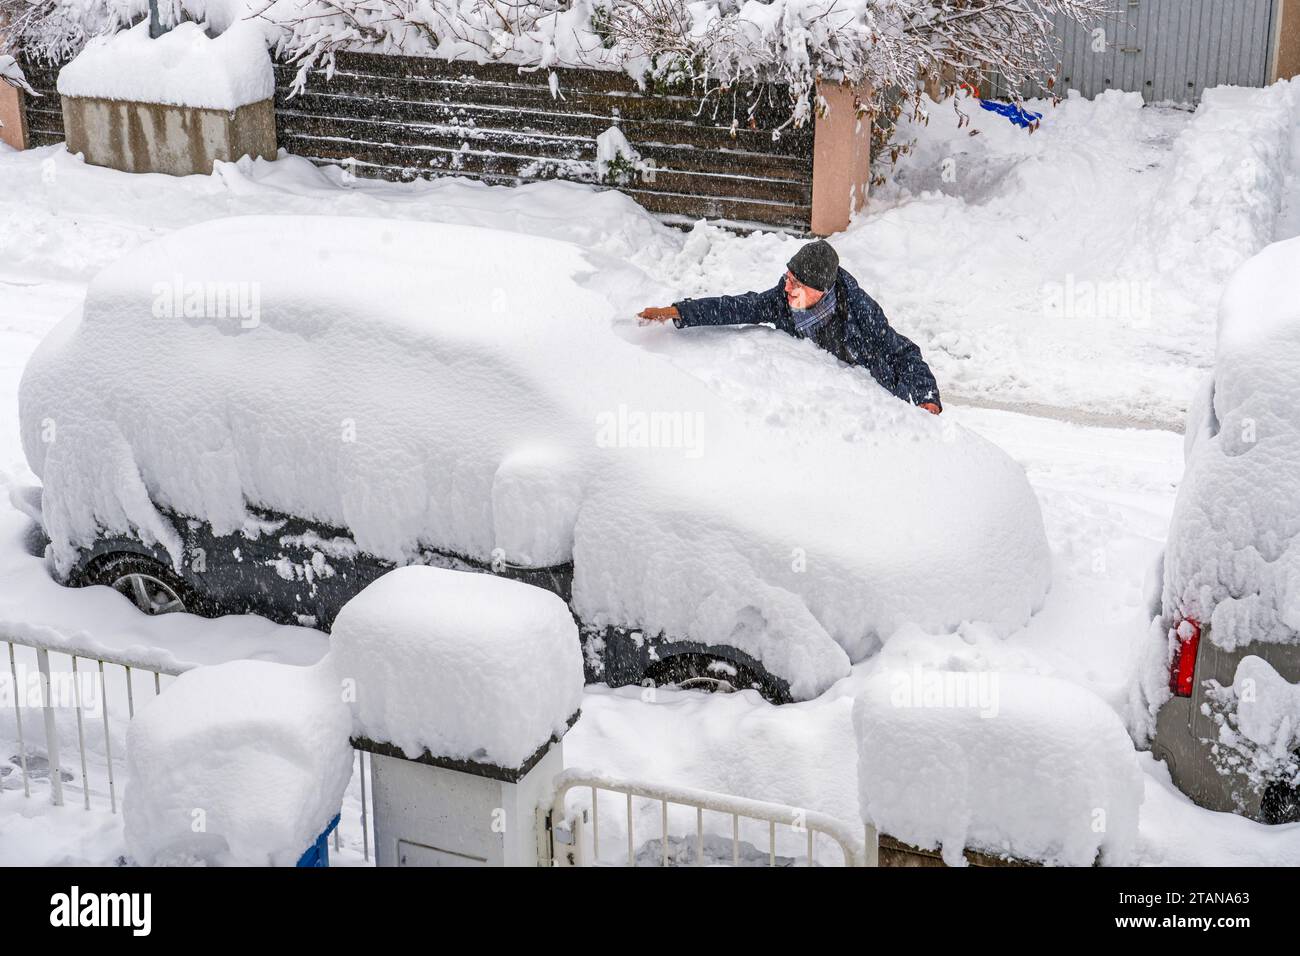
(148, 584)
(703, 672)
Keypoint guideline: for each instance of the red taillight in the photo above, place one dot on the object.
(1188, 635)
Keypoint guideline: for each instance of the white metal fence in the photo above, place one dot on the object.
(98, 694)
(576, 829)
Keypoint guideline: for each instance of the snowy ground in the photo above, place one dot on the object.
(992, 251)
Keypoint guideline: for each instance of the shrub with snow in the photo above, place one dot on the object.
(890, 45)
(1233, 557)
(464, 665)
(477, 392)
(1008, 764)
(238, 764)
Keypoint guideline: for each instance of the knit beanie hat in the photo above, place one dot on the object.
(816, 265)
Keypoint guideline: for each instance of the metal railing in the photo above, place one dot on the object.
(569, 832)
(573, 839)
(129, 664)
(129, 668)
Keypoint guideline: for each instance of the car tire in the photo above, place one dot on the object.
(153, 587)
(707, 673)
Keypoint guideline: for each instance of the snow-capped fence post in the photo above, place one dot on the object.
(13, 106)
(841, 157)
(462, 686)
(13, 117)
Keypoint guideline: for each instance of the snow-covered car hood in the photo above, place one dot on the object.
(481, 392)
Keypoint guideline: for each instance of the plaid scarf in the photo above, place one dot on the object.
(807, 321)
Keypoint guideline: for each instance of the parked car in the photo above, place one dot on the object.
(265, 414)
(1222, 673)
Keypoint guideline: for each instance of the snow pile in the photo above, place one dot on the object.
(480, 393)
(1008, 764)
(239, 764)
(1220, 201)
(183, 67)
(464, 665)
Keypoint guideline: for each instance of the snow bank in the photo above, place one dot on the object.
(479, 392)
(183, 67)
(1009, 764)
(1226, 178)
(463, 665)
(239, 764)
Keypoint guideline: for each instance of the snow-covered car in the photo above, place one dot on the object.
(264, 414)
(1218, 685)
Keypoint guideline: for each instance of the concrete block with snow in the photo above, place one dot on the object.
(468, 667)
(175, 104)
(1011, 765)
(239, 764)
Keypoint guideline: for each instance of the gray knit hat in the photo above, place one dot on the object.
(816, 265)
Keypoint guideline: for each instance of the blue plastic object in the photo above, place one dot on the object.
(318, 854)
(1021, 117)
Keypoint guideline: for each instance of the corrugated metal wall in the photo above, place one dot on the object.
(1168, 50)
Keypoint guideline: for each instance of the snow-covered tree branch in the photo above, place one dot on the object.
(895, 48)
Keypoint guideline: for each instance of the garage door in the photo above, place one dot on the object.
(1168, 50)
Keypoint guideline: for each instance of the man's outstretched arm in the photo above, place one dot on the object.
(751, 308)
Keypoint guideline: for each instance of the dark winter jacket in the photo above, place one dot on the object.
(858, 333)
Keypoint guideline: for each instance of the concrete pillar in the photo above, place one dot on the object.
(13, 115)
(439, 812)
(157, 138)
(1286, 41)
(841, 158)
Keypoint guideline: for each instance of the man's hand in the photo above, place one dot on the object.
(930, 407)
(652, 314)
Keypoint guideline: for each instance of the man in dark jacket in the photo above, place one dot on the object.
(818, 300)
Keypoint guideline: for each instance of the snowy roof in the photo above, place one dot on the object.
(426, 385)
(183, 67)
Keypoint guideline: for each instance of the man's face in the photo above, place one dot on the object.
(799, 295)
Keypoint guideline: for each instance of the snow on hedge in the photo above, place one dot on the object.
(890, 45)
(1008, 764)
(1232, 561)
(238, 764)
(467, 666)
(183, 67)
(478, 392)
